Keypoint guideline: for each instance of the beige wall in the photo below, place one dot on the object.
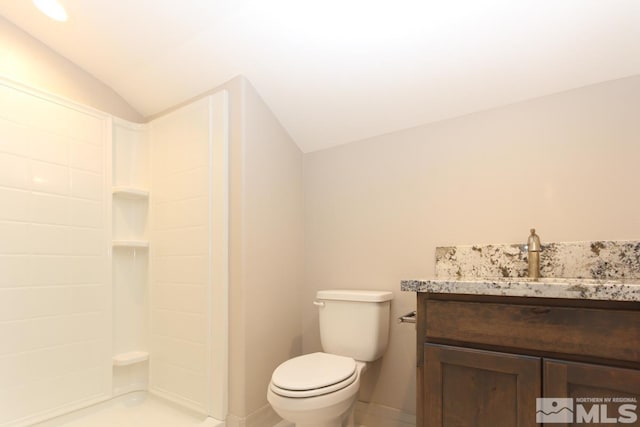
(28, 61)
(375, 210)
(266, 249)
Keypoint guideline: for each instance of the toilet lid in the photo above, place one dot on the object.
(316, 391)
(313, 371)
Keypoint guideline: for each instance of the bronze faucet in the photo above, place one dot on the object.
(533, 254)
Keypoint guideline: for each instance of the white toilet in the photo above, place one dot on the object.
(321, 389)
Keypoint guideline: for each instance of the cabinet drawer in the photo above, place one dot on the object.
(603, 333)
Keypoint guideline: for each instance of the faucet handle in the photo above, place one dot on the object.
(533, 245)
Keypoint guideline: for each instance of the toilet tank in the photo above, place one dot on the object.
(354, 323)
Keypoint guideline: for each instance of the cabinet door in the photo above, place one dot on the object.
(466, 387)
(590, 385)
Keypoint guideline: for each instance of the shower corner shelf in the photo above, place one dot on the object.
(130, 243)
(130, 192)
(130, 358)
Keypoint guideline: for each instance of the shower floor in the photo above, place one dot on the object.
(137, 409)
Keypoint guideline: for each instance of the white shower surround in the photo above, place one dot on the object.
(55, 227)
(56, 217)
(189, 255)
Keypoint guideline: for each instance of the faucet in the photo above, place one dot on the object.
(533, 254)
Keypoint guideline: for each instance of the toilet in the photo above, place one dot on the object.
(320, 389)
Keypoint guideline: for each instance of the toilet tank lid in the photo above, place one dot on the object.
(354, 295)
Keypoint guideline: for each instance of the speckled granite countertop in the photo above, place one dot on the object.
(593, 289)
(596, 270)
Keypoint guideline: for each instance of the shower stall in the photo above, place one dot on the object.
(113, 259)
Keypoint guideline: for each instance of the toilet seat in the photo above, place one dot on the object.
(313, 374)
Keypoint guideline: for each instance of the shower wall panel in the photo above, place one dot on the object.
(55, 299)
(180, 255)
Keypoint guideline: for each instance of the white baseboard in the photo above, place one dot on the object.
(263, 417)
(366, 415)
(374, 415)
(211, 422)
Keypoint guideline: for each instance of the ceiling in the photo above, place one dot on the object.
(335, 71)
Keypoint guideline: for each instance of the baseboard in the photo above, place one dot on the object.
(366, 415)
(211, 422)
(263, 417)
(374, 415)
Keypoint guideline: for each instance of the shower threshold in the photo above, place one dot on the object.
(137, 409)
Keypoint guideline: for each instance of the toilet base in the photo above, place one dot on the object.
(347, 420)
(343, 413)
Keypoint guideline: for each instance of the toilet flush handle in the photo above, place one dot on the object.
(318, 303)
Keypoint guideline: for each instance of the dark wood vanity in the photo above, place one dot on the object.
(483, 360)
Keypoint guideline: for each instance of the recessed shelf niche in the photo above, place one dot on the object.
(130, 256)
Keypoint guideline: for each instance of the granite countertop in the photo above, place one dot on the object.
(592, 289)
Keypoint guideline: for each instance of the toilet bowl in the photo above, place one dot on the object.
(320, 389)
(316, 390)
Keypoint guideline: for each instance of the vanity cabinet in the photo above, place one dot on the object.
(574, 379)
(483, 360)
(465, 386)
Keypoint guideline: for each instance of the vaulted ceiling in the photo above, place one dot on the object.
(335, 71)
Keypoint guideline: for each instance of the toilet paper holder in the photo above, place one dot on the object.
(408, 318)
